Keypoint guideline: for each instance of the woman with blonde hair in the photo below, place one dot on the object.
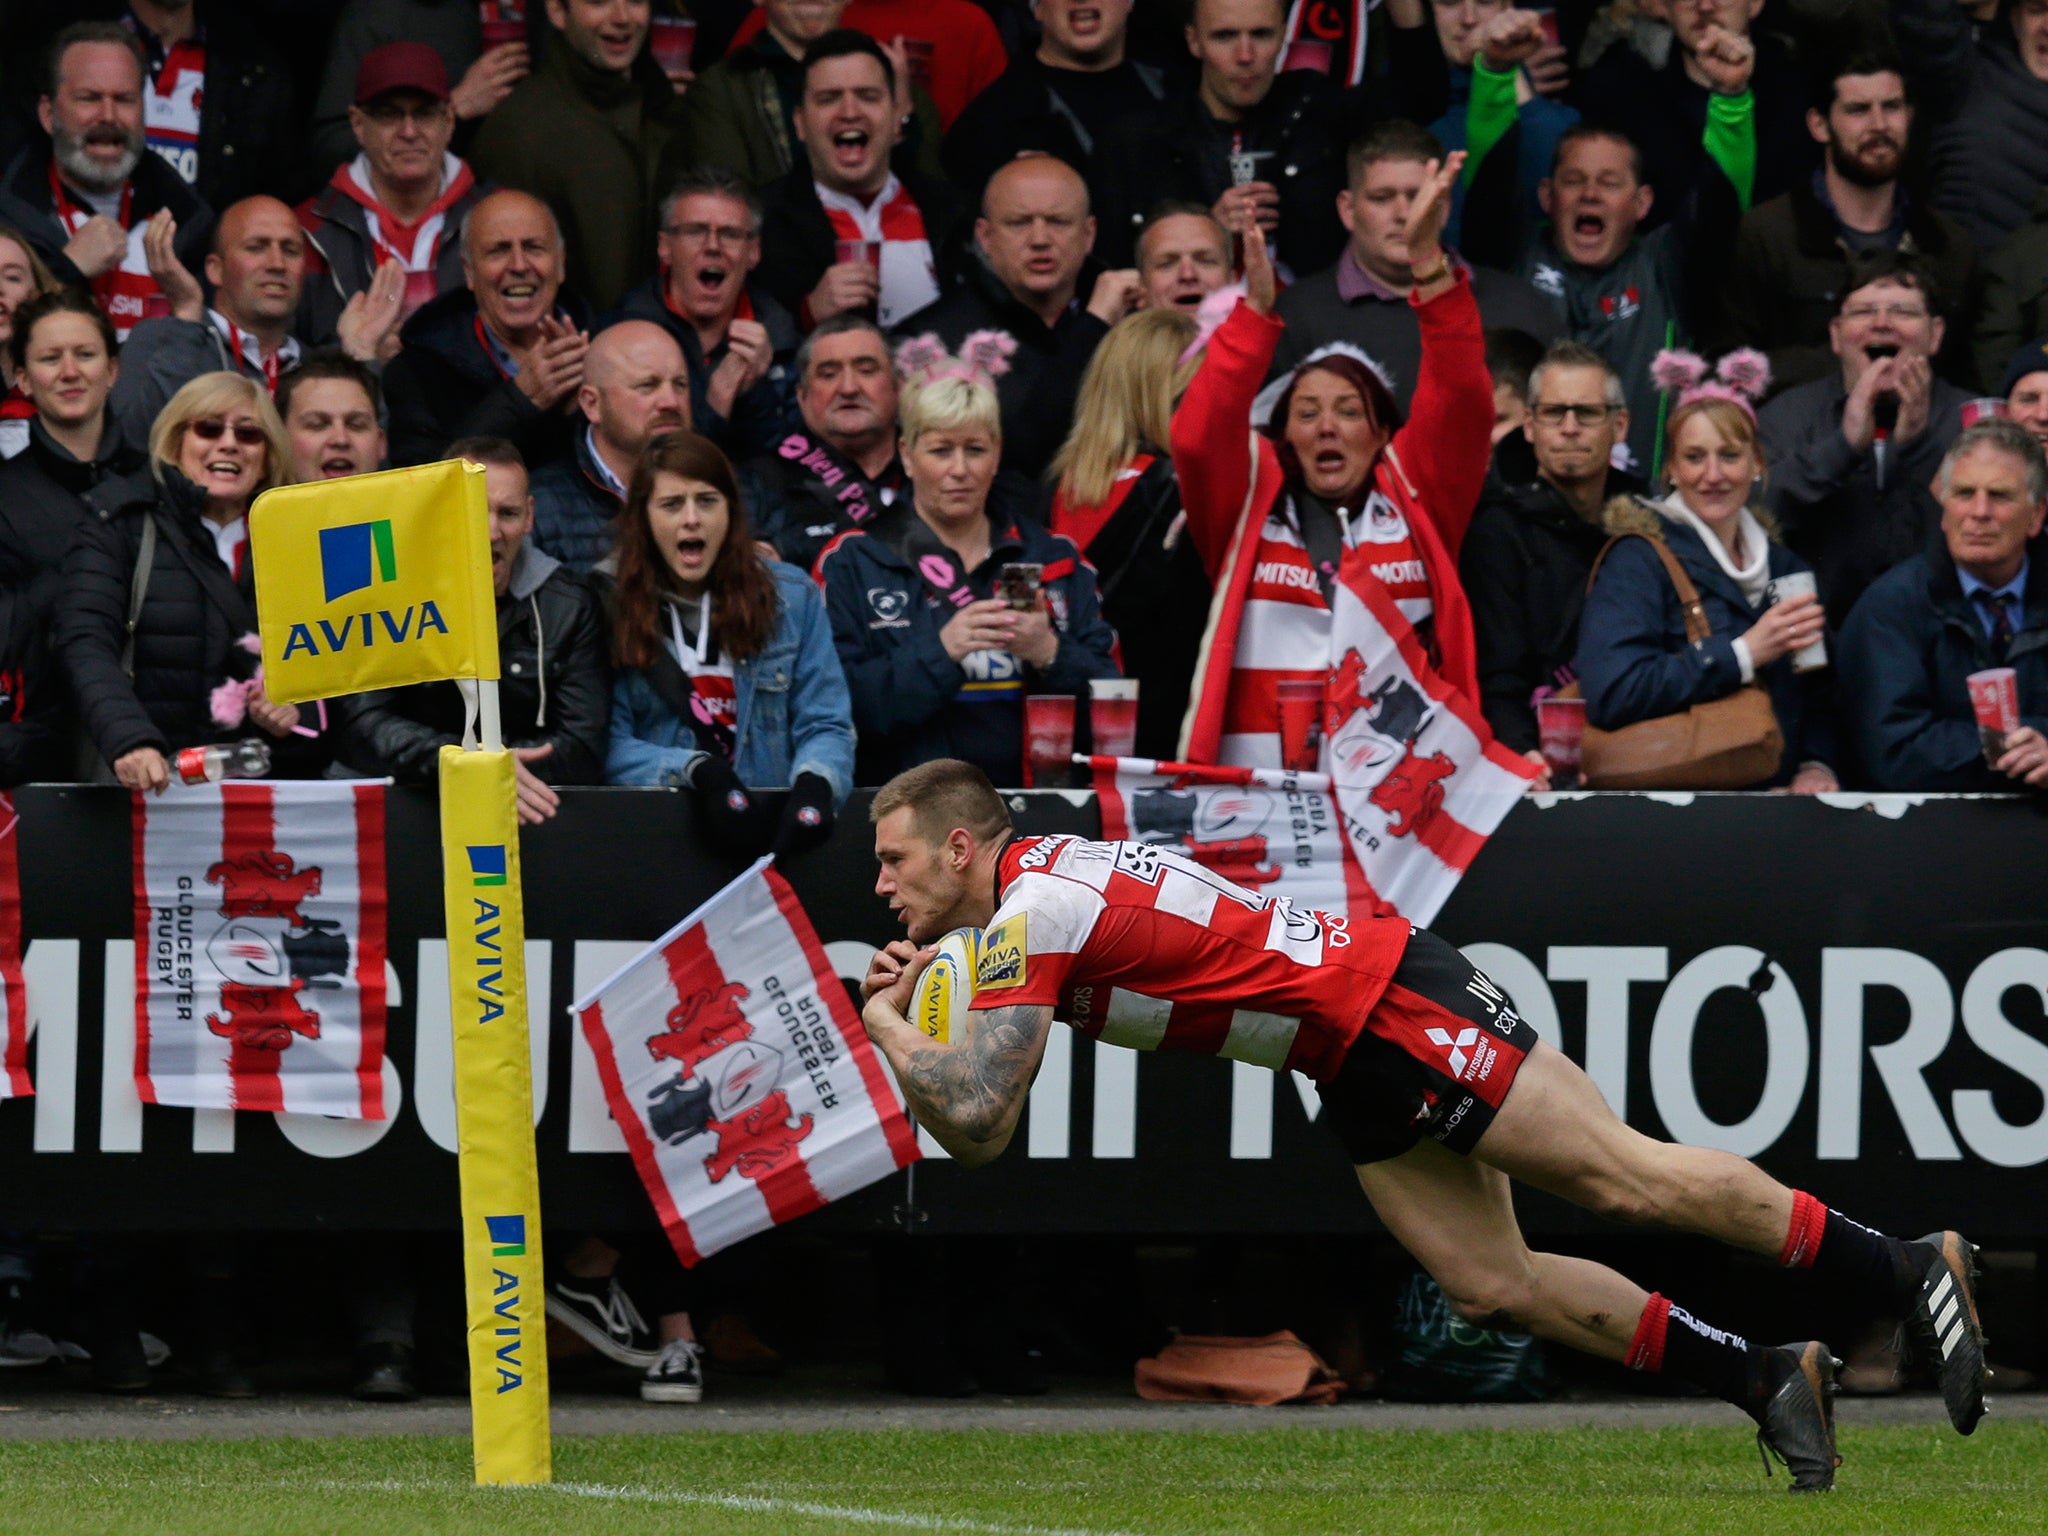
(173, 540)
(22, 277)
(1118, 498)
(955, 603)
(1636, 661)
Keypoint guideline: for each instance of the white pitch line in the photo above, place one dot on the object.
(757, 1504)
(762, 1504)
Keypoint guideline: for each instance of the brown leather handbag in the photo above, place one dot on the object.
(1728, 743)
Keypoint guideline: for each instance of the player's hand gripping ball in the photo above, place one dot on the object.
(946, 989)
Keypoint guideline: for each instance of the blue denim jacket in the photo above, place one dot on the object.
(794, 712)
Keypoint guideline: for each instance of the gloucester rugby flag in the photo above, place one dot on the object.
(14, 1078)
(735, 1065)
(1415, 784)
(1420, 782)
(259, 947)
(1274, 831)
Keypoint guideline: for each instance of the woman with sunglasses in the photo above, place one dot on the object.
(143, 698)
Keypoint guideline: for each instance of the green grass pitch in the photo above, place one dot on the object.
(1286, 1481)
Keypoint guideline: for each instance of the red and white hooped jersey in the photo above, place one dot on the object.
(1142, 947)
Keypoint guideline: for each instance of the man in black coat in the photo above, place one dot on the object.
(1850, 455)
(1975, 599)
(1255, 138)
(737, 341)
(854, 226)
(89, 219)
(1034, 234)
(224, 111)
(1792, 253)
(554, 687)
(1531, 547)
(501, 356)
(839, 469)
(1063, 98)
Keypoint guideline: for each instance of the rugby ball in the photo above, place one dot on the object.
(946, 989)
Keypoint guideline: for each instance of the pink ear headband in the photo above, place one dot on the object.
(984, 358)
(1741, 377)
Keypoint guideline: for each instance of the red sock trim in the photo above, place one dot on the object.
(1646, 1349)
(1802, 1241)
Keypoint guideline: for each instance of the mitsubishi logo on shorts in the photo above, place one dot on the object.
(1459, 1060)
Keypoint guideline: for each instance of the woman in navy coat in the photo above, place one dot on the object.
(1635, 662)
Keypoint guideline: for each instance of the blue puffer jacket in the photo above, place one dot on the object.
(1634, 661)
(914, 702)
(1906, 649)
(793, 713)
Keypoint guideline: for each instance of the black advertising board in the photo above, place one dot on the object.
(1896, 1062)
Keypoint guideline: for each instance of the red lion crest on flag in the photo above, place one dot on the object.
(263, 1018)
(1413, 792)
(260, 947)
(764, 1140)
(264, 885)
(701, 1025)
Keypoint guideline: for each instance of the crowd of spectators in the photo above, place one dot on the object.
(1197, 306)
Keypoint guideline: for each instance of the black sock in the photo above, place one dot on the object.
(1875, 1269)
(1671, 1340)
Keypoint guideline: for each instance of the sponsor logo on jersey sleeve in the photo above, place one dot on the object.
(1002, 956)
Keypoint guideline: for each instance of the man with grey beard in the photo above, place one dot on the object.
(101, 211)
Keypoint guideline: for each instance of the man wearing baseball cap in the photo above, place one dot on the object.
(382, 234)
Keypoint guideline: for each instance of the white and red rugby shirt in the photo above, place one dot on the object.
(909, 270)
(1285, 632)
(1142, 947)
(171, 103)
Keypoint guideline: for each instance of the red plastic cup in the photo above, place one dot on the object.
(1308, 54)
(1048, 739)
(672, 40)
(1301, 734)
(919, 50)
(503, 30)
(1113, 716)
(1995, 699)
(1561, 727)
(1548, 21)
(869, 251)
(1983, 408)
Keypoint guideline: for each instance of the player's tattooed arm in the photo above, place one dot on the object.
(976, 1089)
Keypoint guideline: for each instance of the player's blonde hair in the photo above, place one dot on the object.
(941, 795)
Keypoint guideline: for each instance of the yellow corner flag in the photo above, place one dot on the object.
(374, 581)
(508, 1336)
(380, 581)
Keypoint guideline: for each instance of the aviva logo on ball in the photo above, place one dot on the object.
(374, 581)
